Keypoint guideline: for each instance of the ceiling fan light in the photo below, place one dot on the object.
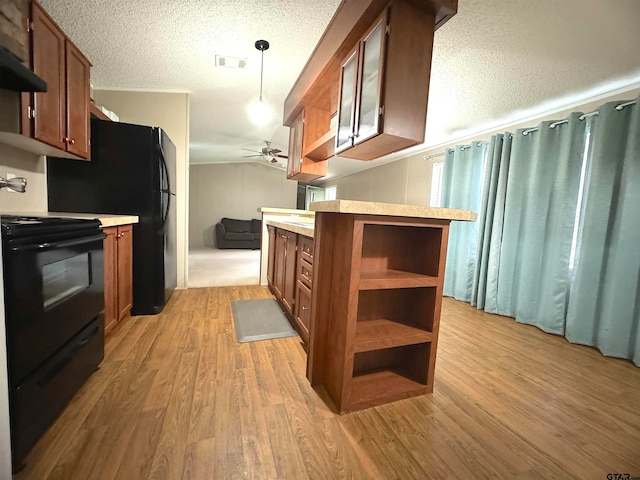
(261, 113)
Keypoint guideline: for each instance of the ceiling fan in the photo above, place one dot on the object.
(266, 152)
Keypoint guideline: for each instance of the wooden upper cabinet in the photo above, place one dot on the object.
(78, 101)
(346, 105)
(392, 85)
(371, 69)
(61, 114)
(49, 64)
(308, 127)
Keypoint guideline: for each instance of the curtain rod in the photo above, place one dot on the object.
(581, 117)
(462, 147)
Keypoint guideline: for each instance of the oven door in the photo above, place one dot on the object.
(53, 289)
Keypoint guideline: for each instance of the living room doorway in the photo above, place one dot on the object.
(212, 267)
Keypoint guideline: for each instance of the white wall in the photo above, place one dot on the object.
(170, 111)
(408, 180)
(30, 166)
(234, 190)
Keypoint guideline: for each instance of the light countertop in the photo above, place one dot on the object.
(303, 228)
(284, 211)
(106, 220)
(392, 209)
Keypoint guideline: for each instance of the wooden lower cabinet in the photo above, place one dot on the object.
(284, 266)
(118, 274)
(303, 310)
(271, 230)
(289, 273)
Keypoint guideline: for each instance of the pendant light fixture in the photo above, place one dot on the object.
(260, 112)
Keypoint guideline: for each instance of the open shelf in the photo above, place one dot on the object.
(397, 252)
(384, 333)
(382, 386)
(322, 148)
(380, 279)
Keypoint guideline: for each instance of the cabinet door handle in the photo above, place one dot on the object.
(305, 308)
(72, 141)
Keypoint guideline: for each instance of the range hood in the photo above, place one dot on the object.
(15, 76)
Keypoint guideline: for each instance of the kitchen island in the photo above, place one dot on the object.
(375, 306)
(363, 284)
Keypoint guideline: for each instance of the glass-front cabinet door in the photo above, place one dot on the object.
(294, 162)
(346, 105)
(370, 83)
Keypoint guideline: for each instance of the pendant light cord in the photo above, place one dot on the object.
(261, 45)
(261, 72)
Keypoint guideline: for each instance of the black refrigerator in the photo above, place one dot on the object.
(132, 172)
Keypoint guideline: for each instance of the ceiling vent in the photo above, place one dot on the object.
(230, 62)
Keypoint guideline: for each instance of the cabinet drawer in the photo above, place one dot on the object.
(305, 273)
(303, 305)
(306, 248)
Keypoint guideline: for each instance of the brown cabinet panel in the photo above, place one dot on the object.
(118, 274)
(271, 254)
(279, 263)
(78, 120)
(49, 64)
(110, 278)
(303, 310)
(125, 270)
(288, 293)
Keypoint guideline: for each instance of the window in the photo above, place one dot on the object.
(436, 184)
(330, 192)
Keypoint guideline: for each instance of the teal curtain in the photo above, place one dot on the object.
(462, 188)
(604, 304)
(558, 232)
(490, 221)
(539, 218)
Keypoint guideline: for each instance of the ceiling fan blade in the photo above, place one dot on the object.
(281, 156)
(249, 156)
(275, 150)
(254, 151)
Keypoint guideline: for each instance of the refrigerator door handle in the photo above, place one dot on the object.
(165, 169)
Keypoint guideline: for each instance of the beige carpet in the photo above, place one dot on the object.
(210, 267)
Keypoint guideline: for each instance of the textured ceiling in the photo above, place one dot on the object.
(495, 61)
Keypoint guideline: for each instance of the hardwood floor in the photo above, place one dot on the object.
(178, 398)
